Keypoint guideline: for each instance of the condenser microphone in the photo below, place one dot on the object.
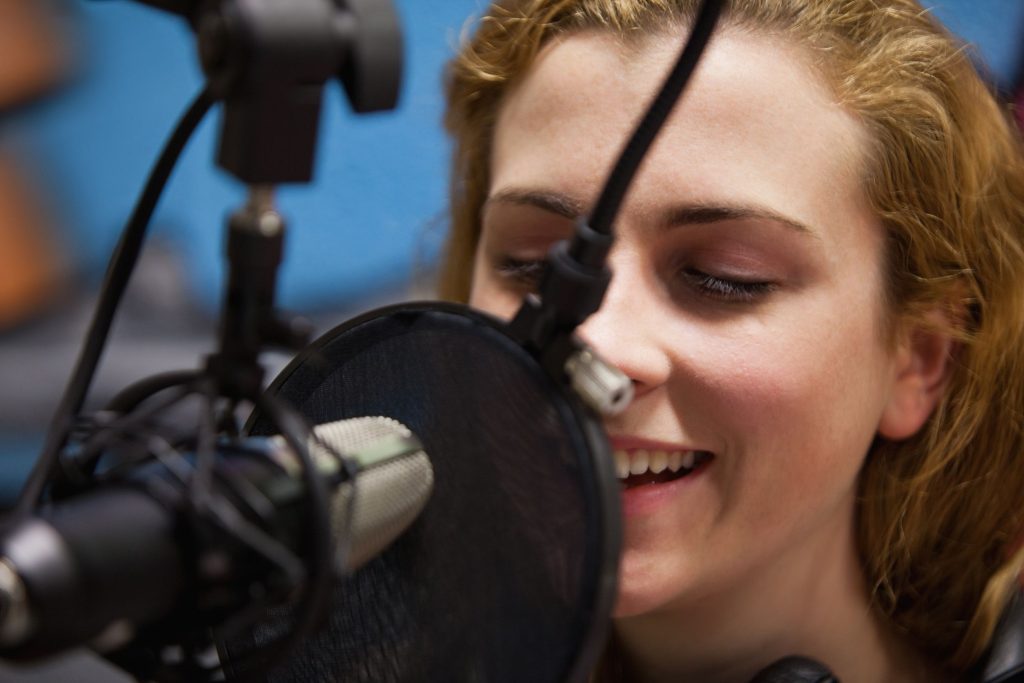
(129, 555)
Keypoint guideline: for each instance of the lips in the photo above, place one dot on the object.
(641, 462)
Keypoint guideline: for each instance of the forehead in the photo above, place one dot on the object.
(757, 121)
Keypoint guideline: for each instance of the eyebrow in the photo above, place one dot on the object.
(696, 214)
(554, 202)
(685, 214)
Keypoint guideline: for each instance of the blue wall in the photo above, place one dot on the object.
(995, 28)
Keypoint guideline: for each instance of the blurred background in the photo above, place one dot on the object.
(89, 91)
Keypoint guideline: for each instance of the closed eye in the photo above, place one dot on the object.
(726, 289)
(524, 273)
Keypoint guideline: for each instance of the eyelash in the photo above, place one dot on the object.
(528, 273)
(723, 289)
(525, 273)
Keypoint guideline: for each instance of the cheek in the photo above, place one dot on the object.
(797, 407)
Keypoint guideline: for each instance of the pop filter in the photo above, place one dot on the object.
(509, 573)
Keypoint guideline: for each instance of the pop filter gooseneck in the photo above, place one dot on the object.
(509, 573)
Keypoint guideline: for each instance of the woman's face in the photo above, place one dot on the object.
(746, 302)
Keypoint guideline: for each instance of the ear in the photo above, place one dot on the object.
(921, 371)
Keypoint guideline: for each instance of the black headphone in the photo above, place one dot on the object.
(1006, 657)
(795, 670)
(1005, 661)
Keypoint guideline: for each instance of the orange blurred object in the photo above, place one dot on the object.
(34, 54)
(30, 267)
(34, 58)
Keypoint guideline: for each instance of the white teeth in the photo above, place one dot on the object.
(621, 464)
(675, 461)
(659, 461)
(639, 462)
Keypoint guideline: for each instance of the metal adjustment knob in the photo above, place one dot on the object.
(601, 386)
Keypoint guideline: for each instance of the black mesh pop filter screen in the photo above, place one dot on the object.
(508, 575)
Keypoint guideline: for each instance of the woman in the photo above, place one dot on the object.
(818, 293)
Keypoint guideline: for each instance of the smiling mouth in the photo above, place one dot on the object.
(640, 467)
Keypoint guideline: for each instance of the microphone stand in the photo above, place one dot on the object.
(267, 63)
(249, 320)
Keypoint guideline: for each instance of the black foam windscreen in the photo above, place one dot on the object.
(509, 573)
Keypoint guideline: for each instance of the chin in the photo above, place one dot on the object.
(627, 607)
(663, 565)
(640, 593)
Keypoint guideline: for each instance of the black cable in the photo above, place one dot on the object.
(621, 177)
(313, 603)
(119, 271)
(130, 397)
(217, 509)
(206, 445)
(80, 469)
(84, 462)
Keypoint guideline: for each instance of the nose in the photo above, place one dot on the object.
(625, 330)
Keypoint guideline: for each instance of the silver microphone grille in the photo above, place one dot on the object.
(392, 485)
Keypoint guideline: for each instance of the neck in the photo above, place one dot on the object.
(814, 604)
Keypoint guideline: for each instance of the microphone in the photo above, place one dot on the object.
(133, 555)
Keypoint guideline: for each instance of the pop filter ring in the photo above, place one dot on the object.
(440, 359)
